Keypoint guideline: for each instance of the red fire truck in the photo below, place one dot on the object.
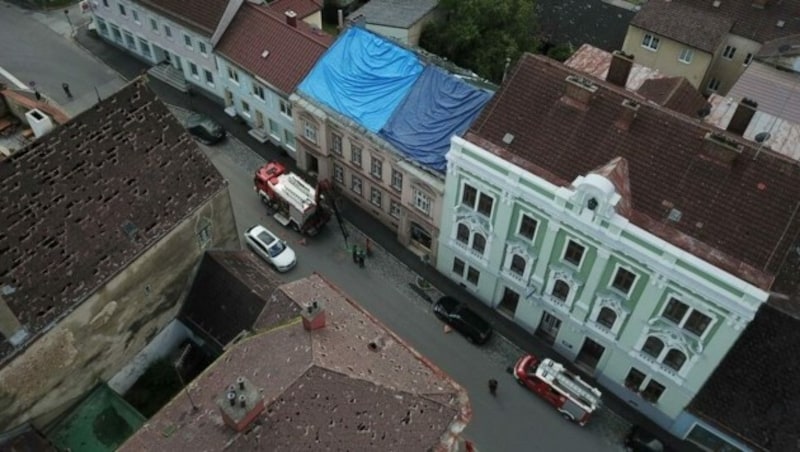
(295, 203)
(575, 399)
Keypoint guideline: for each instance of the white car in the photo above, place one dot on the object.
(272, 249)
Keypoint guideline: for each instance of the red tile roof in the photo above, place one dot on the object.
(675, 93)
(351, 385)
(741, 216)
(201, 15)
(303, 8)
(293, 51)
(701, 25)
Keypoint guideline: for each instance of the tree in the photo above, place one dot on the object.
(481, 35)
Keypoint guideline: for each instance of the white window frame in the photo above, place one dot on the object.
(135, 16)
(355, 181)
(233, 75)
(102, 26)
(535, 230)
(376, 197)
(154, 26)
(686, 55)
(479, 193)
(286, 108)
(355, 154)
(422, 201)
(187, 41)
(748, 59)
(122, 11)
(651, 42)
(394, 209)
(617, 268)
(130, 40)
(167, 31)
(397, 179)
(469, 245)
(274, 129)
(338, 173)
(201, 46)
(289, 139)
(691, 308)
(246, 110)
(259, 93)
(337, 144)
(713, 84)
(310, 131)
(194, 71)
(209, 77)
(566, 246)
(376, 167)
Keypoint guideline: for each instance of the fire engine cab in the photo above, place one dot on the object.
(295, 203)
(575, 399)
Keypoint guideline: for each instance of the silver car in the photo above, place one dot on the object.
(272, 249)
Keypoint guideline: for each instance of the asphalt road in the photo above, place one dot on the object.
(31, 51)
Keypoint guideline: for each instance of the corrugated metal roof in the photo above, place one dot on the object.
(395, 13)
(777, 92)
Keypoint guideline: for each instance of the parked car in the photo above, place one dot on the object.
(272, 249)
(462, 319)
(640, 440)
(204, 129)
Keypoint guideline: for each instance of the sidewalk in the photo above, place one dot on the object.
(129, 68)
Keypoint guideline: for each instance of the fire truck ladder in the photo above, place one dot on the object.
(572, 385)
(298, 191)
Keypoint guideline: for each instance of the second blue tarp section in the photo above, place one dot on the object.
(363, 77)
(437, 107)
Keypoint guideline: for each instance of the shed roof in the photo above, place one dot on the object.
(394, 13)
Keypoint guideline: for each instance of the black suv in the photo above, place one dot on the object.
(205, 129)
(462, 319)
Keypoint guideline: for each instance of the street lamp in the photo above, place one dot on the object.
(69, 21)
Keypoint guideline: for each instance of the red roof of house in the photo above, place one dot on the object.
(293, 50)
(739, 213)
(202, 15)
(303, 8)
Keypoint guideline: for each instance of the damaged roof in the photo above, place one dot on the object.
(84, 201)
(738, 211)
(352, 385)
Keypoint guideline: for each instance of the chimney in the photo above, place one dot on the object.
(313, 316)
(10, 328)
(742, 116)
(578, 91)
(291, 18)
(721, 149)
(240, 405)
(627, 114)
(760, 4)
(620, 68)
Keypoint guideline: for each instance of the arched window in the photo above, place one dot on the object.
(561, 290)
(462, 233)
(653, 346)
(479, 243)
(675, 359)
(607, 317)
(517, 264)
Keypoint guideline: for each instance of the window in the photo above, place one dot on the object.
(518, 265)
(574, 253)
(286, 108)
(245, 109)
(135, 15)
(462, 233)
(479, 243)
(458, 266)
(274, 130)
(154, 25)
(336, 144)
(167, 31)
(422, 201)
(105, 3)
(101, 25)
(355, 155)
(202, 47)
(623, 280)
(634, 379)
(355, 184)
(527, 227)
(144, 46)
(258, 91)
(233, 75)
(675, 311)
(469, 196)
(376, 167)
(473, 276)
(129, 41)
(653, 391)
(653, 346)
(561, 290)
(607, 317)
(748, 59)
(675, 359)
(338, 173)
(420, 236)
(709, 441)
(394, 209)
(729, 52)
(310, 131)
(697, 323)
(288, 139)
(650, 42)
(187, 40)
(686, 55)
(122, 11)
(375, 197)
(116, 33)
(397, 180)
(209, 77)
(193, 70)
(485, 205)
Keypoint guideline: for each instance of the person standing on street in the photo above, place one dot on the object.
(493, 387)
(65, 86)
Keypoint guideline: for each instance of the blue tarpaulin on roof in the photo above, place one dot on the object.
(363, 77)
(437, 107)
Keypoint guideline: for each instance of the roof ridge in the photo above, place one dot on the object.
(306, 31)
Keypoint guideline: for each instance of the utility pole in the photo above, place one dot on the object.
(69, 21)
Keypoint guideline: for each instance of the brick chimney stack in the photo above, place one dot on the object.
(313, 316)
(578, 92)
(291, 18)
(627, 114)
(620, 68)
(742, 116)
(240, 404)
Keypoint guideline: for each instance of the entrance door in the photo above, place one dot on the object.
(176, 61)
(313, 165)
(228, 97)
(508, 304)
(548, 328)
(590, 354)
(259, 119)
